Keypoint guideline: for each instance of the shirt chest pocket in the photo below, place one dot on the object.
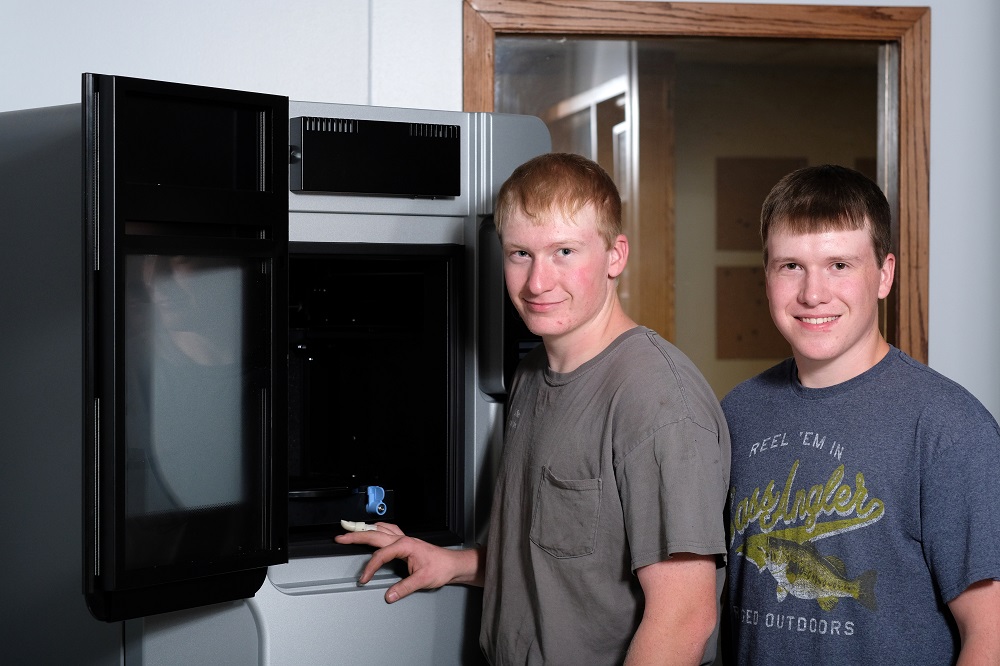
(564, 520)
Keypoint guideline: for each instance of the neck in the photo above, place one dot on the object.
(822, 374)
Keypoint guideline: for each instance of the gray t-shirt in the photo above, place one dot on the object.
(856, 513)
(605, 469)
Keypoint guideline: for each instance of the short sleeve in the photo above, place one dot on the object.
(673, 490)
(960, 513)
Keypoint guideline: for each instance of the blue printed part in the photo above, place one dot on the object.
(375, 504)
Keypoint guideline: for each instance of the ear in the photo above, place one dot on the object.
(617, 256)
(886, 275)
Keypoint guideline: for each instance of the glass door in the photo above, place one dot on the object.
(197, 385)
(187, 223)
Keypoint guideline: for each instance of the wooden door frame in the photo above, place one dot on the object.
(907, 27)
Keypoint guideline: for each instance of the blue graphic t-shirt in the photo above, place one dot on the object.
(855, 514)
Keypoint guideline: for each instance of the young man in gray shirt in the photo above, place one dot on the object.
(606, 538)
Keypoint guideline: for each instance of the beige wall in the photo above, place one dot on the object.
(720, 111)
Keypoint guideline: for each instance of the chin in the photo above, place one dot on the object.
(818, 357)
(543, 327)
(542, 330)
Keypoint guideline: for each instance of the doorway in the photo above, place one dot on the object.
(898, 97)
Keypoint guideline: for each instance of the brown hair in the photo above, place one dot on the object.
(565, 181)
(828, 198)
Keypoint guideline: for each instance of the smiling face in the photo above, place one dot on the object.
(561, 277)
(823, 290)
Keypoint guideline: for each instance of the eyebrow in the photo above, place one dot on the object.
(560, 242)
(834, 258)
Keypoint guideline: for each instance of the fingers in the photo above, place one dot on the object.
(379, 558)
(419, 578)
(374, 538)
(400, 590)
(389, 528)
(378, 535)
(391, 544)
(402, 549)
(381, 536)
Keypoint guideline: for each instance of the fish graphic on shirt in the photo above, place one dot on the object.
(800, 570)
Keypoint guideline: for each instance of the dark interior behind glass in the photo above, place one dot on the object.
(374, 389)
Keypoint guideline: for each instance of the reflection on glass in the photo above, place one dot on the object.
(184, 385)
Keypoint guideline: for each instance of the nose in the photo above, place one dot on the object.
(539, 277)
(814, 289)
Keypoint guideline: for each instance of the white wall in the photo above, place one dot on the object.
(409, 53)
(383, 52)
